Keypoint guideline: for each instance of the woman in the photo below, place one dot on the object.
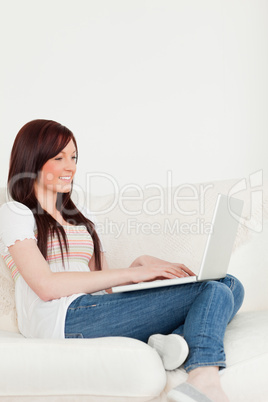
(63, 284)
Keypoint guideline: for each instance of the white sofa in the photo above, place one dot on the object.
(170, 223)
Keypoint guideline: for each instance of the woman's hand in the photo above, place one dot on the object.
(149, 268)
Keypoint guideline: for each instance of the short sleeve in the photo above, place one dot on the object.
(16, 223)
(89, 215)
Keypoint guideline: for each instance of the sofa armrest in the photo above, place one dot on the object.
(115, 366)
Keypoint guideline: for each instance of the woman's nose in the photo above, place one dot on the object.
(70, 165)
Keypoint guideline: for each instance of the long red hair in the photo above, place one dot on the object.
(36, 143)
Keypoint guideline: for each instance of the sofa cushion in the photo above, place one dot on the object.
(249, 263)
(105, 366)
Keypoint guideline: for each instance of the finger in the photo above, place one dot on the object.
(169, 275)
(187, 270)
(177, 272)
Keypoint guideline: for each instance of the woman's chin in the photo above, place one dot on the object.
(65, 188)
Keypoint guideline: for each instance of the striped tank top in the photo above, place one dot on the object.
(79, 252)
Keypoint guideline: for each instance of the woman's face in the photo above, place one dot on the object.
(57, 173)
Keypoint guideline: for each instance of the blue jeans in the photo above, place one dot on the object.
(198, 311)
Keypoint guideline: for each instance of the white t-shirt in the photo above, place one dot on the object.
(37, 318)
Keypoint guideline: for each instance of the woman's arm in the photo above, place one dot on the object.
(144, 260)
(50, 285)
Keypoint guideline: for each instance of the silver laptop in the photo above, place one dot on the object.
(217, 252)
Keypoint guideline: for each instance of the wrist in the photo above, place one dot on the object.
(143, 259)
(134, 274)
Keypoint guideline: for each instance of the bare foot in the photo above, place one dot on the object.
(207, 380)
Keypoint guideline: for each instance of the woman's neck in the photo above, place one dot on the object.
(47, 200)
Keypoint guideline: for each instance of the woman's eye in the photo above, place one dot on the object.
(59, 158)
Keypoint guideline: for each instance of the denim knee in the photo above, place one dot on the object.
(223, 294)
(237, 290)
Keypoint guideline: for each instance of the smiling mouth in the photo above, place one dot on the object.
(66, 178)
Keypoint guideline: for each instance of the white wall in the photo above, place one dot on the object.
(146, 86)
